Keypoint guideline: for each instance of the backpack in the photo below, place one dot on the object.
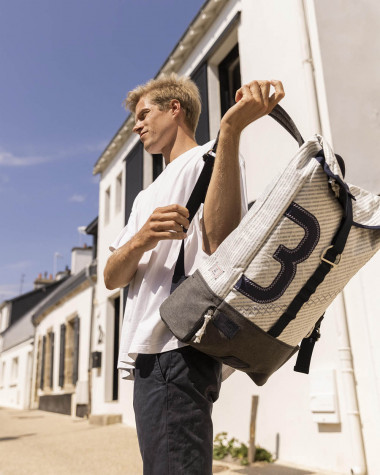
(269, 283)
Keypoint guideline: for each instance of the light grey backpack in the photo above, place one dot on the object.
(267, 286)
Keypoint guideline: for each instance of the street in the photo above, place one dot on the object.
(36, 442)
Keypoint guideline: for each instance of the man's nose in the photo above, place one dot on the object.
(137, 127)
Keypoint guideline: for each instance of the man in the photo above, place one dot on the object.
(175, 385)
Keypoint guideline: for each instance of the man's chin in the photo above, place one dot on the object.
(151, 149)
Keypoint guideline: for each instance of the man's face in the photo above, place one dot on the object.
(157, 128)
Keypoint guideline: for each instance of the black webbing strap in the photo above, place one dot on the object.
(282, 117)
(306, 350)
(197, 197)
(329, 259)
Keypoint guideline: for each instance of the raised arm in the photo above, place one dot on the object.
(222, 207)
(164, 223)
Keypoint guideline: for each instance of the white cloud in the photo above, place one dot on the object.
(76, 198)
(97, 147)
(7, 159)
(80, 149)
(20, 265)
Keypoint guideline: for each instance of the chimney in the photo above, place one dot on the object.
(81, 257)
(42, 281)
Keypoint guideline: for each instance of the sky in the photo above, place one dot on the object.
(66, 66)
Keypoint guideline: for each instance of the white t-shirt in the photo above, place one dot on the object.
(143, 330)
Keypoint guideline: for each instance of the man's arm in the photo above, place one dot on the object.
(222, 207)
(164, 223)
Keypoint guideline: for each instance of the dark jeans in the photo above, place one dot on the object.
(173, 397)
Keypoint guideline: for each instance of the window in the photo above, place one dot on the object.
(71, 363)
(199, 76)
(116, 341)
(157, 164)
(229, 78)
(133, 176)
(118, 198)
(49, 360)
(14, 371)
(62, 343)
(42, 367)
(2, 374)
(107, 204)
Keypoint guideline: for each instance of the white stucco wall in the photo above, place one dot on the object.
(15, 392)
(104, 313)
(363, 304)
(350, 47)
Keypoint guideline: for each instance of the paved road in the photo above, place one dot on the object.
(44, 443)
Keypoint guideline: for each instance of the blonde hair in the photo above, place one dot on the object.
(166, 88)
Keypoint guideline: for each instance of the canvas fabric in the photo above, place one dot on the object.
(236, 296)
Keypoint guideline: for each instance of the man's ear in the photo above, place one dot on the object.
(175, 107)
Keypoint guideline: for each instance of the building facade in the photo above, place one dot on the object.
(62, 354)
(16, 344)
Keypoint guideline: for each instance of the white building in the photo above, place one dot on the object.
(325, 54)
(16, 345)
(61, 362)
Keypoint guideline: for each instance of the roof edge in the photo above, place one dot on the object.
(181, 51)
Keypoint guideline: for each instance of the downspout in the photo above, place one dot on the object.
(320, 110)
(89, 372)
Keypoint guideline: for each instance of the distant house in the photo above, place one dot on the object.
(328, 420)
(63, 324)
(16, 343)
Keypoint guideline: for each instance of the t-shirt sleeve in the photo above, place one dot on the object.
(129, 230)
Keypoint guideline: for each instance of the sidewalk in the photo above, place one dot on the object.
(45, 443)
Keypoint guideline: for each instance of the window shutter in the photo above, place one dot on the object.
(51, 358)
(62, 355)
(157, 164)
(229, 79)
(76, 350)
(199, 76)
(133, 176)
(43, 362)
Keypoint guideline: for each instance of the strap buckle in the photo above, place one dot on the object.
(332, 264)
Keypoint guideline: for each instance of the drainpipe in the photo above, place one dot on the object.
(314, 69)
(89, 377)
(349, 384)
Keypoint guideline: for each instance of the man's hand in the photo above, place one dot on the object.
(252, 102)
(167, 222)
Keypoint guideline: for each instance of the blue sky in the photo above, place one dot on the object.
(65, 69)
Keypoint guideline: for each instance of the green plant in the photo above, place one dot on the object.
(223, 447)
(262, 455)
(237, 450)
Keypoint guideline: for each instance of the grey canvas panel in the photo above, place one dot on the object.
(251, 350)
(184, 312)
(229, 337)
